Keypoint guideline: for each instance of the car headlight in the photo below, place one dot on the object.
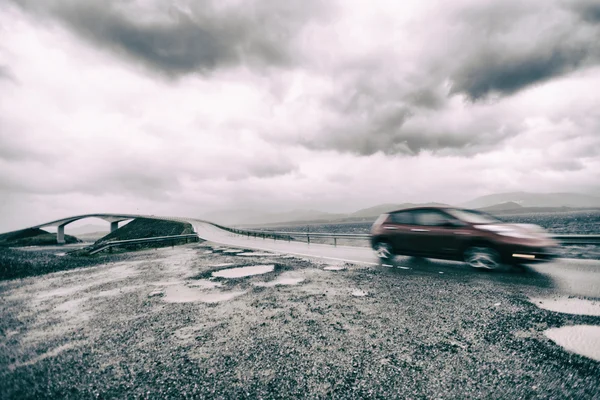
(517, 234)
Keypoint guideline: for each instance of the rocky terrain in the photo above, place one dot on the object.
(196, 322)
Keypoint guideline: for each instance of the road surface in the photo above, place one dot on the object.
(565, 276)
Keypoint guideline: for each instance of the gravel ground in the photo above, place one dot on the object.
(146, 327)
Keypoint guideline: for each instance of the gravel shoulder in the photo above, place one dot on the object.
(159, 325)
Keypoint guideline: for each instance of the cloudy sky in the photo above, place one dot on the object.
(184, 107)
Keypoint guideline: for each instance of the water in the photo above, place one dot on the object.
(184, 294)
(242, 272)
(569, 305)
(255, 254)
(334, 268)
(580, 339)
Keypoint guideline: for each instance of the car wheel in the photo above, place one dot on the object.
(384, 251)
(482, 257)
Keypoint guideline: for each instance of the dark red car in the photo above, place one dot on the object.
(477, 238)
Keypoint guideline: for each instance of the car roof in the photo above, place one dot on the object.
(441, 208)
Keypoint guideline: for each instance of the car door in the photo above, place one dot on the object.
(433, 234)
(398, 228)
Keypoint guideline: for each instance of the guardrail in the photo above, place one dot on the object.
(288, 236)
(280, 235)
(129, 242)
(578, 239)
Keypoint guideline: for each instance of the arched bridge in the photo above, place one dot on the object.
(113, 219)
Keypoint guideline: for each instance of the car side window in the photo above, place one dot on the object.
(430, 218)
(401, 218)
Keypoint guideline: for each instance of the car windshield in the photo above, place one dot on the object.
(474, 217)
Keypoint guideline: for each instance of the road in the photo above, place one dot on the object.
(563, 276)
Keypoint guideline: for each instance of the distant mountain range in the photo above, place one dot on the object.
(517, 202)
(525, 199)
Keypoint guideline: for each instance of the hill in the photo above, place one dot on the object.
(146, 227)
(32, 237)
(527, 199)
(508, 206)
(383, 208)
(317, 217)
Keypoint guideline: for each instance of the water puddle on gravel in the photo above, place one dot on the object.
(256, 254)
(580, 339)
(334, 268)
(184, 294)
(242, 272)
(568, 305)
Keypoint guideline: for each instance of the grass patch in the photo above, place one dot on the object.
(16, 263)
(141, 228)
(32, 237)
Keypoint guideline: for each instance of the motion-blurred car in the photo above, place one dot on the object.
(477, 238)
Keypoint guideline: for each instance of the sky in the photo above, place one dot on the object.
(190, 107)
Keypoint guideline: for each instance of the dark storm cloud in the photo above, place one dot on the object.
(589, 10)
(203, 38)
(498, 71)
(496, 58)
(396, 136)
(375, 111)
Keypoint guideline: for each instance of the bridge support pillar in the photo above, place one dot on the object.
(60, 234)
(114, 226)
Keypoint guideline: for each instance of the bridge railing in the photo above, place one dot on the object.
(308, 236)
(173, 239)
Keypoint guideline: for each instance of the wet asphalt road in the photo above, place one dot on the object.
(566, 276)
(419, 329)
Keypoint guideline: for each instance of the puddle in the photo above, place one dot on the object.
(580, 339)
(222, 265)
(334, 268)
(184, 294)
(568, 305)
(287, 281)
(233, 251)
(204, 284)
(359, 293)
(208, 252)
(242, 272)
(403, 267)
(60, 254)
(256, 254)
